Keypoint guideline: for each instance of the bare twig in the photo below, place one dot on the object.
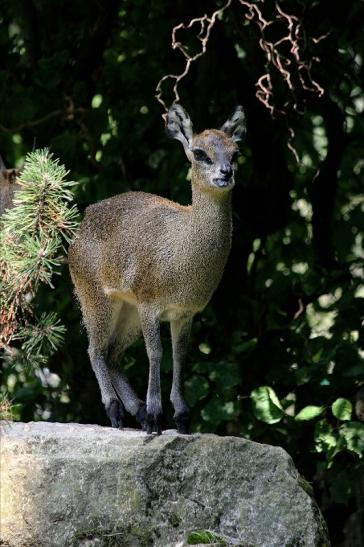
(284, 55)
(206, 24)
(287, 65)
(300, 310)
(290, 144)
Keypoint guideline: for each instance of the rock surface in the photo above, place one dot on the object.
(83, 485)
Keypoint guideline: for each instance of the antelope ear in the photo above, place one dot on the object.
(235, 125)
(179, 126)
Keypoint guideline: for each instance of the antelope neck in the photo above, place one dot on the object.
(208, 234)
(211, 209)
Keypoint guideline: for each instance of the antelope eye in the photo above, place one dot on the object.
(200, 155)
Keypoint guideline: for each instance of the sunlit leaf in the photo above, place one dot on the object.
(266, 405)
(342, 409)
(309, 413)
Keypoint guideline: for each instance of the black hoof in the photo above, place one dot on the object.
(154, 423)
(183, 422)
(141, 416)
(115, 412)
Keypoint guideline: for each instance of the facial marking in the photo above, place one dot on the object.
(216, 144)
(201, 155)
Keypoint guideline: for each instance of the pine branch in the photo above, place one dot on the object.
(32, 243)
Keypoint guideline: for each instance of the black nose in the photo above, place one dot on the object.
(226, 170)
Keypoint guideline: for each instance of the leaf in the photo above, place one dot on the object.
(353, 435)
(266, 405)
(309, 413)
(342, 409)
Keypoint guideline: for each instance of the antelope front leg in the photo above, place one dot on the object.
(114, 408)
(180, 330)
(150, 327)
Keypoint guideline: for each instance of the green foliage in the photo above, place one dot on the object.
(34, 232)
(31, 246)
(325, 438)
(205, 537)
(42, 339)
(6, 407)
(351, 436)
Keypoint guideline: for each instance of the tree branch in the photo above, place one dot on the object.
(67, 113)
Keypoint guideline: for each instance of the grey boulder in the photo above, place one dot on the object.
(85, 485)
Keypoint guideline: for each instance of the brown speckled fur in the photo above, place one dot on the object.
(140, 259)
(8, 187)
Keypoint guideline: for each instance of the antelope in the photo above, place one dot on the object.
(140, 259)
(8, 186)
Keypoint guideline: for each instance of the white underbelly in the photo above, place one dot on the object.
(166, 311)
(177, 311)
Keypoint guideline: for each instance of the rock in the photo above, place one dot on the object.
(85, 485)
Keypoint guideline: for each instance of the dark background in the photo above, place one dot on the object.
(80, 77)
